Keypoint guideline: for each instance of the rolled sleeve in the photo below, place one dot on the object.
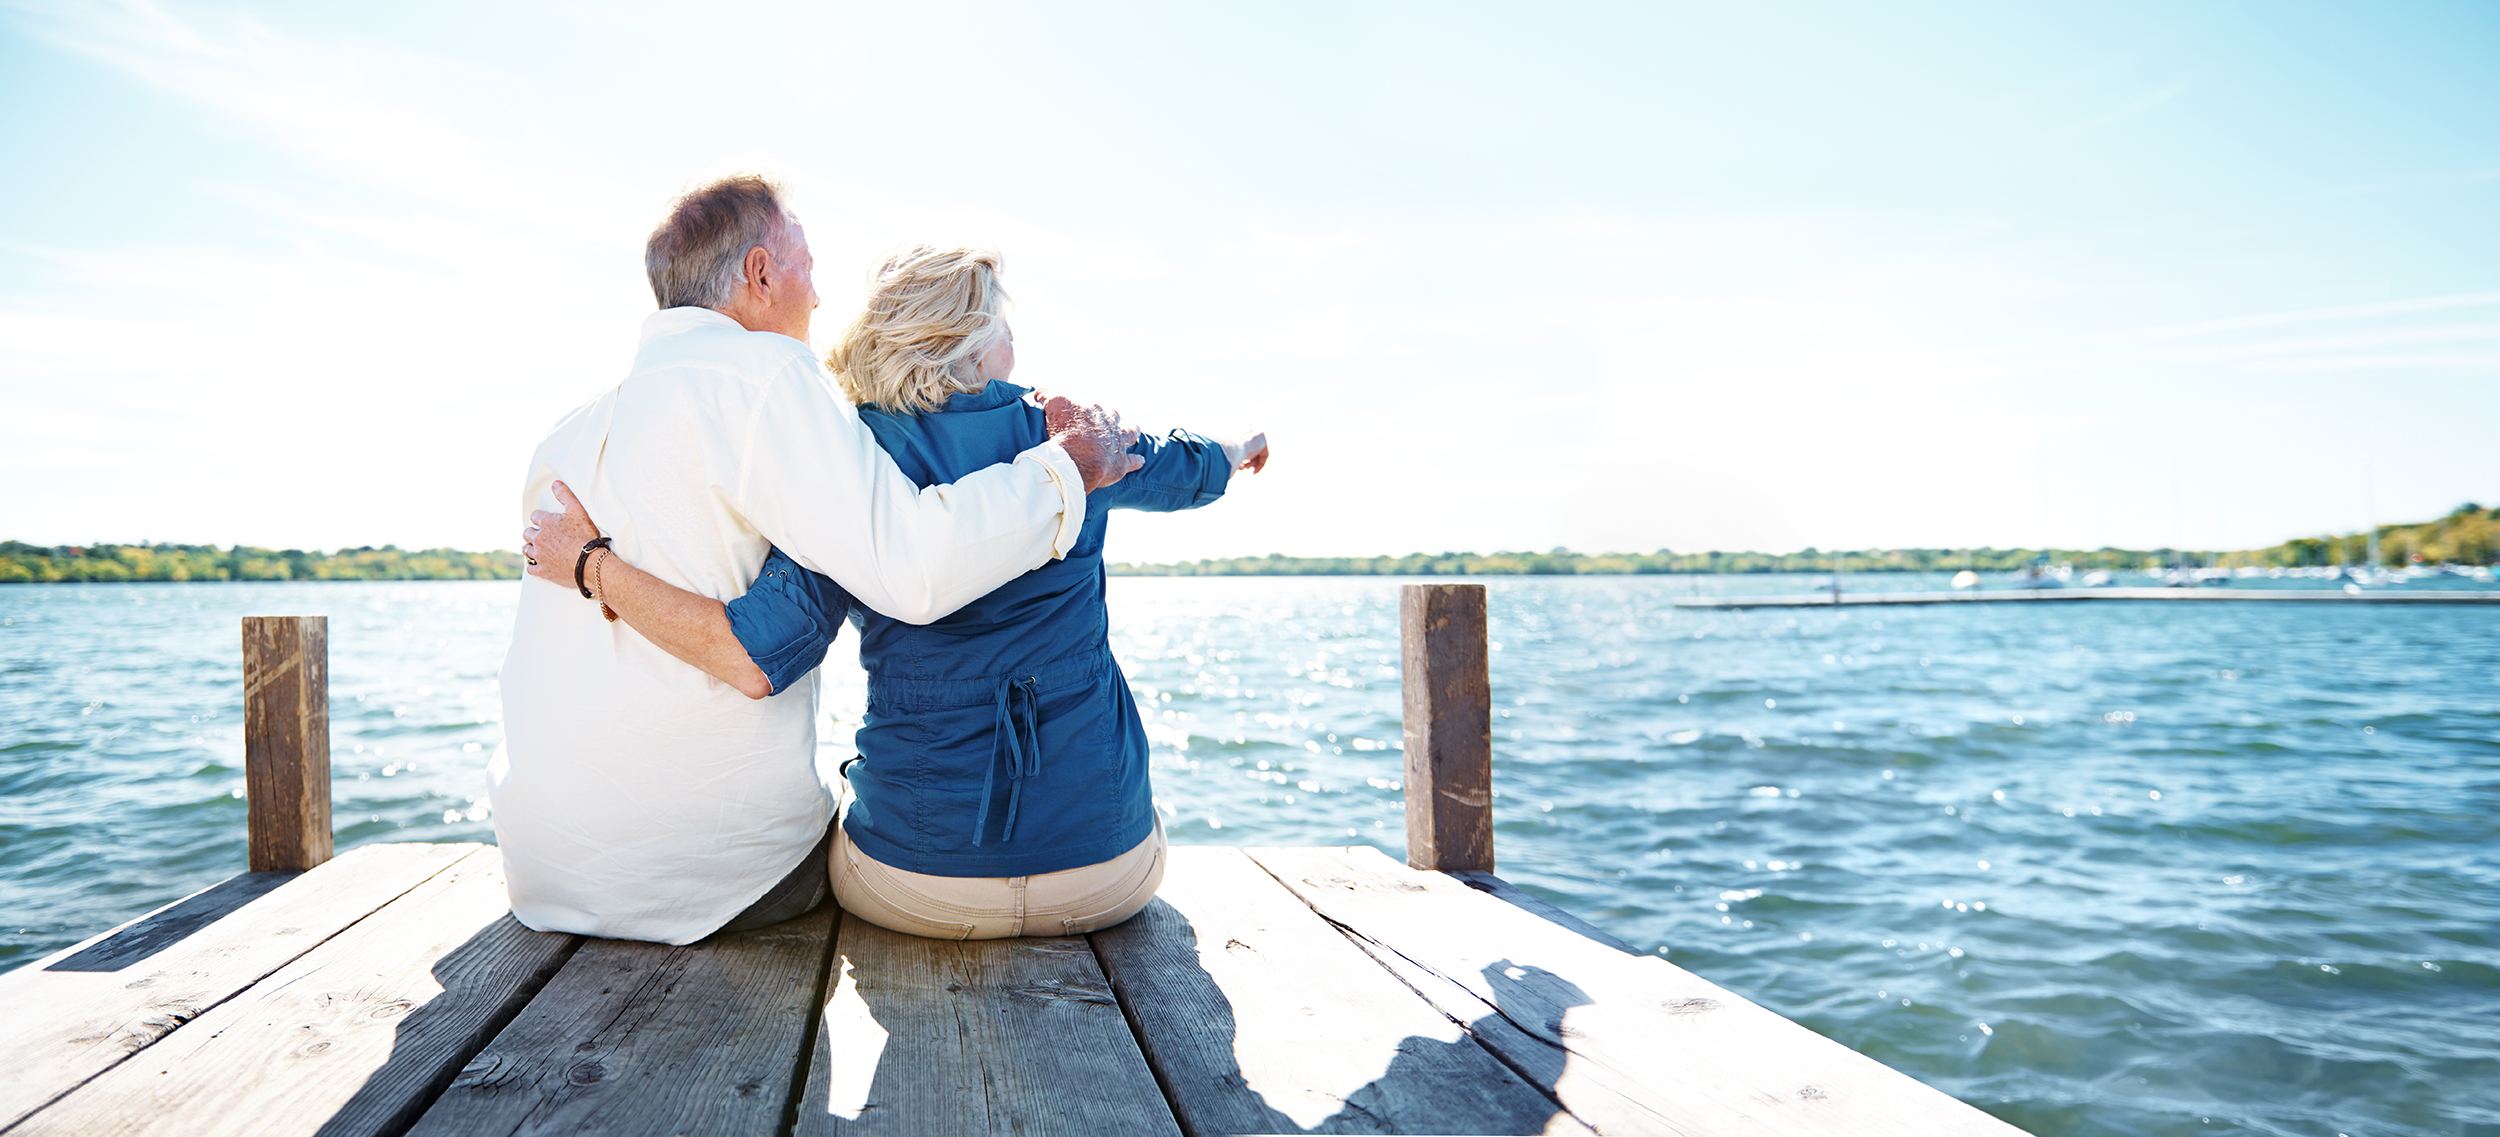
(1182, 471)
(788, 619)
(1070, 482)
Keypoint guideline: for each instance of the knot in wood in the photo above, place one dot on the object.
(391, 1010)
(1052, 990)
(485, 1070)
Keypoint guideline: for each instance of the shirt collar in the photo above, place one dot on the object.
(671, 321)
(998, 394)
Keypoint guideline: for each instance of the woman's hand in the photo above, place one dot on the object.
(552, 544)
(1248, 451)
(692, 627)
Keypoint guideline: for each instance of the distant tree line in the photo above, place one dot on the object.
(2470, 535)
(22, 563)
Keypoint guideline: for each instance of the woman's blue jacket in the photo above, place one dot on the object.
(1001, 740)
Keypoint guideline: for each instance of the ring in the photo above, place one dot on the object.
(532, 560)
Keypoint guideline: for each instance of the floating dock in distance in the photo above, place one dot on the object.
(2075, 595)
(389, 991)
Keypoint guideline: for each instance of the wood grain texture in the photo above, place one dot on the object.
(1015, 1036)
(1516, 896)
(1648, 1046)
(1448, 691)
(286, 740)
(1260, 1017)
(636, 1038)
(140, 940)
(90, 1006)
(1625, 1106)
(353, 1037)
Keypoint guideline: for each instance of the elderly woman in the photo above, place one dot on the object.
(1001, 785)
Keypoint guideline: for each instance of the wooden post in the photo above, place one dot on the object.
(1449, 727)
(286, 740)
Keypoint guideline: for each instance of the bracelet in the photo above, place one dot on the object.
(584, 563)
(600, 575)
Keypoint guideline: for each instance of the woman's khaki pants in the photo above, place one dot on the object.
(1062, 903)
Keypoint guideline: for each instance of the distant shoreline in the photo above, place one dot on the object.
(21, 563)
(2470, 535)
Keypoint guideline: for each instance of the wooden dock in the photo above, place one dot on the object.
(389, 991)
(2078, 595)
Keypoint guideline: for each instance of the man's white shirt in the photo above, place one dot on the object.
(636, 797)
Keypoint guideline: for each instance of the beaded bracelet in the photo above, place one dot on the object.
(595, 543)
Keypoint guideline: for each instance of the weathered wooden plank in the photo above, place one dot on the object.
(87, 1008)
(1015, 1036)
(1504, 890)
(1260, 1017)
(1615, 1106)
(637, 1038)
(1539, 1053)
(138, 940)
(1448, 691)
(354, 1037)
(1648, 1046)
(286, 740)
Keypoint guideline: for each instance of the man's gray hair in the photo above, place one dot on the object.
(697, 256)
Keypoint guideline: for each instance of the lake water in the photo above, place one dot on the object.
(2117, 868)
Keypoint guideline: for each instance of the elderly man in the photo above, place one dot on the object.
(634, 796)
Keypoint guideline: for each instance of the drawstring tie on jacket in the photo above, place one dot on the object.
(1019, 734)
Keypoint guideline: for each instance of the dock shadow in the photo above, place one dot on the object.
(486, 982)
(1421, 1069)
(171, 924)
(928, 1010)
(1430, 1086)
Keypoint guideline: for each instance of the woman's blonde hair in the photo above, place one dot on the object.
(931, 313)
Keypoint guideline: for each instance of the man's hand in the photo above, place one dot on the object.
(552, 544)
(1093, 438)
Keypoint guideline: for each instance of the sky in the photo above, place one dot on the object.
(1610, 277)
